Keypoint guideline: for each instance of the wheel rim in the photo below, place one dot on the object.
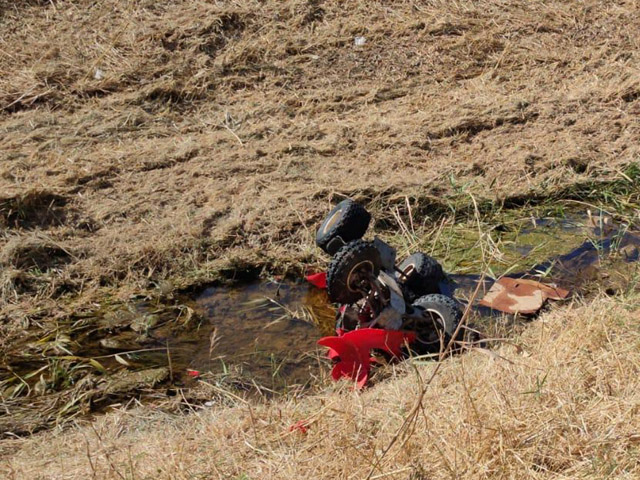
(408, 270)
(331, 221)
(433, 329)
(364, 268)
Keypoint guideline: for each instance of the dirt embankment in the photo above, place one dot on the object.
(153, 140)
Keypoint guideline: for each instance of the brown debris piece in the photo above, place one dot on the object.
(517, 295)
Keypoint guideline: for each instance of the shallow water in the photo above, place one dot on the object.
(256, 334)
(266, 330)
(597, 258)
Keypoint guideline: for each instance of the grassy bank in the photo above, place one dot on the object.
(558, 401)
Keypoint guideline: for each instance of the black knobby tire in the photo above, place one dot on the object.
(351, 265)
(441, 316)
(348, 220)
(422, 274)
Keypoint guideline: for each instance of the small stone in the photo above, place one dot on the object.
(126, 382)
(165, 287)
(124, 341)
(630, 253)
(144, 323)
(116, 318)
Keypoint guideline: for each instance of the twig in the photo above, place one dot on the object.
(234, 134)
(169, 360)
(106, 452)
(382, 475)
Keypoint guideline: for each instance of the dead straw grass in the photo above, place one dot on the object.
(559, 403)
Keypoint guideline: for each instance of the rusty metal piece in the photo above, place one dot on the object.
(519, 295)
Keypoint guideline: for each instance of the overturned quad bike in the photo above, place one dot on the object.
(384, 307)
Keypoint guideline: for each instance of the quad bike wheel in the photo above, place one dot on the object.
(421, 274)
(347, 221)
(440, 317)
(351, 271)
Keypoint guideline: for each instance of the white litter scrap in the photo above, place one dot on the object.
(359, 41)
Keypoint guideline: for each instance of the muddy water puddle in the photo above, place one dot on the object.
(264, 331)
(258, 339)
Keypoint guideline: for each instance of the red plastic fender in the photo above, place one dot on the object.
(317, 279)
(352, 351)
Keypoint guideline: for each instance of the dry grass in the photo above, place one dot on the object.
(561, 402)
